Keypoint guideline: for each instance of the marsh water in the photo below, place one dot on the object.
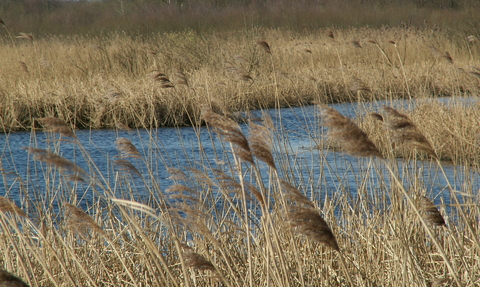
(297, 135)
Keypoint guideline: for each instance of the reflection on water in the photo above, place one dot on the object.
(319, 173)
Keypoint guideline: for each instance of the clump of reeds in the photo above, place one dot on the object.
(405, 132)
(347, 134)
(7, 279)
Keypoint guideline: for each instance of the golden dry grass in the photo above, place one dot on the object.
(120, 80)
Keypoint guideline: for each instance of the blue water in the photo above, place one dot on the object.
(319, 174)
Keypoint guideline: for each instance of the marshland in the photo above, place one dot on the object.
(239, 144)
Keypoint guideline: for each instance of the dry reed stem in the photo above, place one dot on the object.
(231, 132)
(56, 125)
(6, 205)
(430, 213)
(347, 134)
(405, 132)
(7, 279)
(79, 222)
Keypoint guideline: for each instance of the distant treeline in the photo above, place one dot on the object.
(46, 17)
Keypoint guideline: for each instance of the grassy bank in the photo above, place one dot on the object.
(163, 79)
(245, 218)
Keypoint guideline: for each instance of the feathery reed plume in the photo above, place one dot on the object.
(238, 72)
(25, 36)
(56, 125)
(309, 222)
(180, 78)
(55, 160)
(295, 196)
(376, 116)
(256, 193)
(6, 205)
(260, 140)
(201, 177)
(195, 260)
(359, 85)
(356, 44)
(24, 67)
(264, 45)
(163, 79)
(437, 282)
(330, 34)
(439, 54)
(126, 148)
(430, 213)
(347, 134)
(7, 279)
(126, 166)
(121, 126)
(404, 131)
(75, 178)
(230, 131)
(78, 221)
(472, 39)
(176, 174)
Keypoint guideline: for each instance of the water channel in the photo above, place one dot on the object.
(318, 172)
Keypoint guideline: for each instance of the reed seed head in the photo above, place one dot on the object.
(78, 221)
(309, 222)
(404, 131)
(265, 47)
(6, 205)
(126, 148)
(55, 160)
(430, 213)
(347, 134)
(7, 279)
(261, 143)
(56, 125)
(230, 131)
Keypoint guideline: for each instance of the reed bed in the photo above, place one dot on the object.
(252, 214)
(123, 80)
